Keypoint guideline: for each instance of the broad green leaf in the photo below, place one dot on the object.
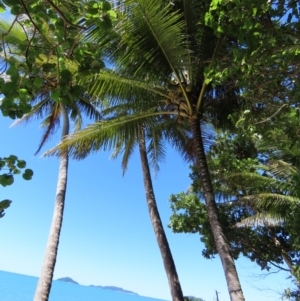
(27, 175)
(23, 93)
(12, 158)
(112, 14)
(38, 82)
(106, 6)
(55, 95)
(21, 163)
(6, 180)
(5, 204)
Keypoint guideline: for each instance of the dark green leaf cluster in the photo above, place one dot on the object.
(43, 52)
(4, 205)
(264, 54)
(13, 166)
(9, 167)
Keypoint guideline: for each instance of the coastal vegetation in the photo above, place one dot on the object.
(152, 73)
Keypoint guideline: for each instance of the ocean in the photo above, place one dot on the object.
(16, 287)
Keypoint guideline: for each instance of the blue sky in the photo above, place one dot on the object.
(107, 238)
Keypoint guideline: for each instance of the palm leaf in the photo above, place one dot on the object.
(39, 110)
(13, 34)
(271, 202)
(281, 169)
(51, 123)
(126, 148)
(261, 219)
(154, 39)
(118, 86)
(252, 179)
(105, 134)
(156, 149)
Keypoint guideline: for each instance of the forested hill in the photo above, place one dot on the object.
(113, 288)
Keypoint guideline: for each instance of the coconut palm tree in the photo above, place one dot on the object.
(123, 136)
(53, 113)
(56, 98)
(170, 268)
(163, 48)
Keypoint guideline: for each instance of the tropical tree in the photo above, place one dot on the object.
(170, 268)
(149, 136)
(53, 113)
(53, 95)
(165, 50)
(258, 196)
(10, 165)
(255, 214)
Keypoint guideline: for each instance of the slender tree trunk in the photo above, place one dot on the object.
(161, 238)
(45, 281)
(284, 254)
(233, 283)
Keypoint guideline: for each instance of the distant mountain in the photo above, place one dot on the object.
(67, 279)
(113, 288)
(99, 286)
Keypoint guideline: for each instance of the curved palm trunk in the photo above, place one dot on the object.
(161, 238)
(284, 254)
(233, 283)
(45, 281)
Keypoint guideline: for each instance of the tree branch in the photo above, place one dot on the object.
(63, 16)
(268, 119)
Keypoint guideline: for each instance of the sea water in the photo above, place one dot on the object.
(16, 287)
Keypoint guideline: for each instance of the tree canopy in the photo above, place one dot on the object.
(173, 68)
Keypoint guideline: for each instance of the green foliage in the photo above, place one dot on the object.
(233, 64)
(9, 167)
(263, 54)
(13, 166)
(43, 57)
(251, 191)
(292, 294)
(38, 47)
(4, 205)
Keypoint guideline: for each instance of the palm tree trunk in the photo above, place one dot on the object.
(161, 238)
(233, 283)
(45, 281)
(284, 254)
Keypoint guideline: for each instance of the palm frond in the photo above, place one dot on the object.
(261, 219)
(105, 134)
(42, 108)
(83, 105)
(117, 86)
(151, 37)
(76, 117)
(253, 179)
(156, 148)
(281, 169)
(51, 123)
(272, 202)
(179, 137)
(126, 148)
(201, 38)
(13, 34)
(89, 107)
